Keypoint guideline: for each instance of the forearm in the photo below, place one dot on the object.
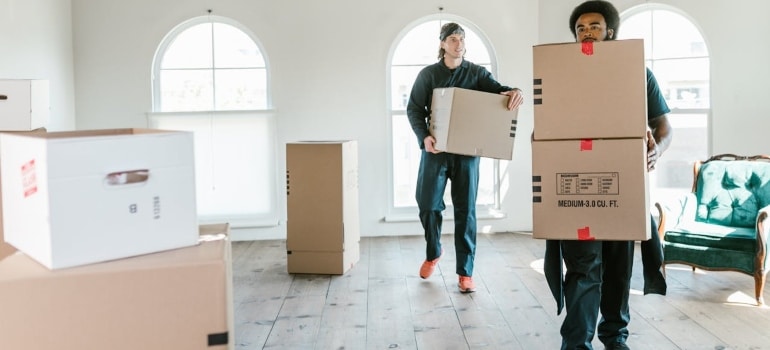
(661, 132)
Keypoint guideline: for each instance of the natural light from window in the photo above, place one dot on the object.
(210, 77)
(677, 54)
(212, 66)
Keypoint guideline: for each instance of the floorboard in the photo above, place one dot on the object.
(382, 303)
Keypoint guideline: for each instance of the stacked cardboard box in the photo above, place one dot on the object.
(473, 123)
(323, 229)
(589, 153)
(177, 299)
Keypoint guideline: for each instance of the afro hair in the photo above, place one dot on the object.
(605, 8)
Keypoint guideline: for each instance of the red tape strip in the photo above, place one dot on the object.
(586, 145)
(584, 234)
(588, 48)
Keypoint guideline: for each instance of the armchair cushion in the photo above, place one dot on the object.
(714, 235)
(731, 193)
(710, 258)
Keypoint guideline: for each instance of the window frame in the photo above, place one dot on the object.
(269, 217)
(168, 39)
(659, 192)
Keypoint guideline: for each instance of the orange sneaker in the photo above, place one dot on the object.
(466, 284)
(428, 266)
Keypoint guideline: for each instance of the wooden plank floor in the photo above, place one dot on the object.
(381, 303)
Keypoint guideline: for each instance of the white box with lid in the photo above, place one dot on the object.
(24, 104)
(80, 197)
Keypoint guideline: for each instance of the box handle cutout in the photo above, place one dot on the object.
(129, 177)
(3, 97)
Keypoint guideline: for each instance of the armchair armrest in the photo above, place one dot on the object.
(673, 212)
(763, 230)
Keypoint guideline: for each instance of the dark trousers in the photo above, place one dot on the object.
(652, 262)
(463, 171)
(598, 278)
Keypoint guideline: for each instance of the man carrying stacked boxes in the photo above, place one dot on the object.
(600, 126)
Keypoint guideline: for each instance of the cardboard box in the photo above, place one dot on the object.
(178, 299)
(324, 263)
(24, 104)
(473, 123)
(322, 228)
(74, 198)
(590, 189)
(590, 91)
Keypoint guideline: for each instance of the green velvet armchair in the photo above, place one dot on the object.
(723, 224)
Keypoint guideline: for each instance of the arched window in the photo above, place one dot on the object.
(676, 52)
(415, 48)
(209, 64)
(209, 76)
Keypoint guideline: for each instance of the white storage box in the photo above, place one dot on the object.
(74, 198)
(24, 104)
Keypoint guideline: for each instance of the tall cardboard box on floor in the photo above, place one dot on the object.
(79, 197)
(323, 227)
(177, 299)
(473, 123)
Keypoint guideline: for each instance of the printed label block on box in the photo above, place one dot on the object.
(590, 190)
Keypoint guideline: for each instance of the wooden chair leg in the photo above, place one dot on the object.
(759, 287)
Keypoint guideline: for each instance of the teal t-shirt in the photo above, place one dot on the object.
(656, 104)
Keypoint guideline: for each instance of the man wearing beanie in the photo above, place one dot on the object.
(436, 167)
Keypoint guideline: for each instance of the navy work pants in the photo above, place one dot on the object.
(463, 171)
(598, 278)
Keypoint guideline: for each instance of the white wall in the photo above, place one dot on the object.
(328, 63)
(328, 69)
(36, 43)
